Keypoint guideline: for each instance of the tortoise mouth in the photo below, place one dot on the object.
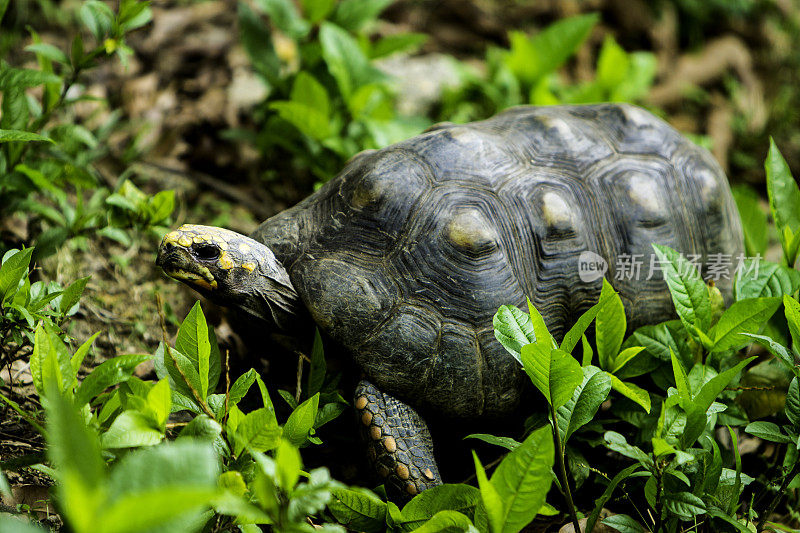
(177, 266)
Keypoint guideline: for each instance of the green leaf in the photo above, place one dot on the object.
(791, 308)
(713, 387)
(615, 441)
(198, 343)
(610, 326)
(345, 60)
(746, 316)
(506, 442)
(393, 44)
(20, 135)
(532, 58)
(72, 294)
(767, 431)
(573, 336)
(624, 357)
(48, 51)
(316, 10)
(97, 17)
(513, 329)
(492, 502)
(284, 15)
(50, 362)
(201, 427)
(258, 431)
(631, 391)
(241, 386)
(287, 465)
(131, 429)
(307, 90)
(107, 374)
(442, 498)
(754, 220)
(358, 509)
(447, 521)
(792, 408)
(540, 328)
(554, 372)
(523, 479)
(689, 293)
(74, 452)
(14, 268)
(585, 401)
(301, 421)
(612, 64)
(353, 15)
(308, 120)
(784, 195)
(623, 523)
(256, 38)
(778, 350)
(684, 505)
(316, 375)
(758, 278)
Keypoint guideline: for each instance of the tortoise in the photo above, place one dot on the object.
(404, 258)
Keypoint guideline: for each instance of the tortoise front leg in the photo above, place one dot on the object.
(399, 444)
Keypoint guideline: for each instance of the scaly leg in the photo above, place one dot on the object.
(399, 443)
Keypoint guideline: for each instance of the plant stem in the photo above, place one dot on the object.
(562, 467)
(774, 503)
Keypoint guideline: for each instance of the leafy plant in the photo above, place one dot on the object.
(327, 100)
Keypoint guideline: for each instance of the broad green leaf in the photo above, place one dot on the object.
(792, 311)
(50, 361)
(623, 523)
(610, 326)
(12, 135)
(284, 15)
(358, 509)
(754, 220)
(97, 17)
(530, 58)
(513, 329)
(159, 403)
(107, 374)
(540, 330)
(709, 392)
(631, 391)
(197, 342)
(792, 408)
(506, 442)
(316, 375)
(131, 429)
(74, 452)
(201, 427)
(307, 90)
(258, 431)
(762, 278)
(745, 316)
(13, 269)
(392, 44)
(442, 498)
(624, 357)
(523, 479)
(301, 421)
(13, 523)
(353, 15)
(308, 120)
(256, 37)
(554, 372)
(585, 401)
(345, 60)
(447, 521)
(492, 502)
(48, 51)
(72, 294)
(573, 336)
(182, 373)
(287, 465)
(784, 195)
(681, 381)
(241, 386)
(684, 505)
(316, 10)
(615, 441)
(778, 350)
(689, 293)
(612, 64)
(767, 431)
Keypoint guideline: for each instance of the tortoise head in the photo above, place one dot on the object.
(231, 270)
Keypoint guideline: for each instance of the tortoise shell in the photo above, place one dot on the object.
(405, 257)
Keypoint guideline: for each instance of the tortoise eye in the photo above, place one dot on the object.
(206, 252)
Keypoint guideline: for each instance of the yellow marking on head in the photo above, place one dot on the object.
(224, 261)
(244, 247)
(207, 282)
(185, 241)
(249, 266)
